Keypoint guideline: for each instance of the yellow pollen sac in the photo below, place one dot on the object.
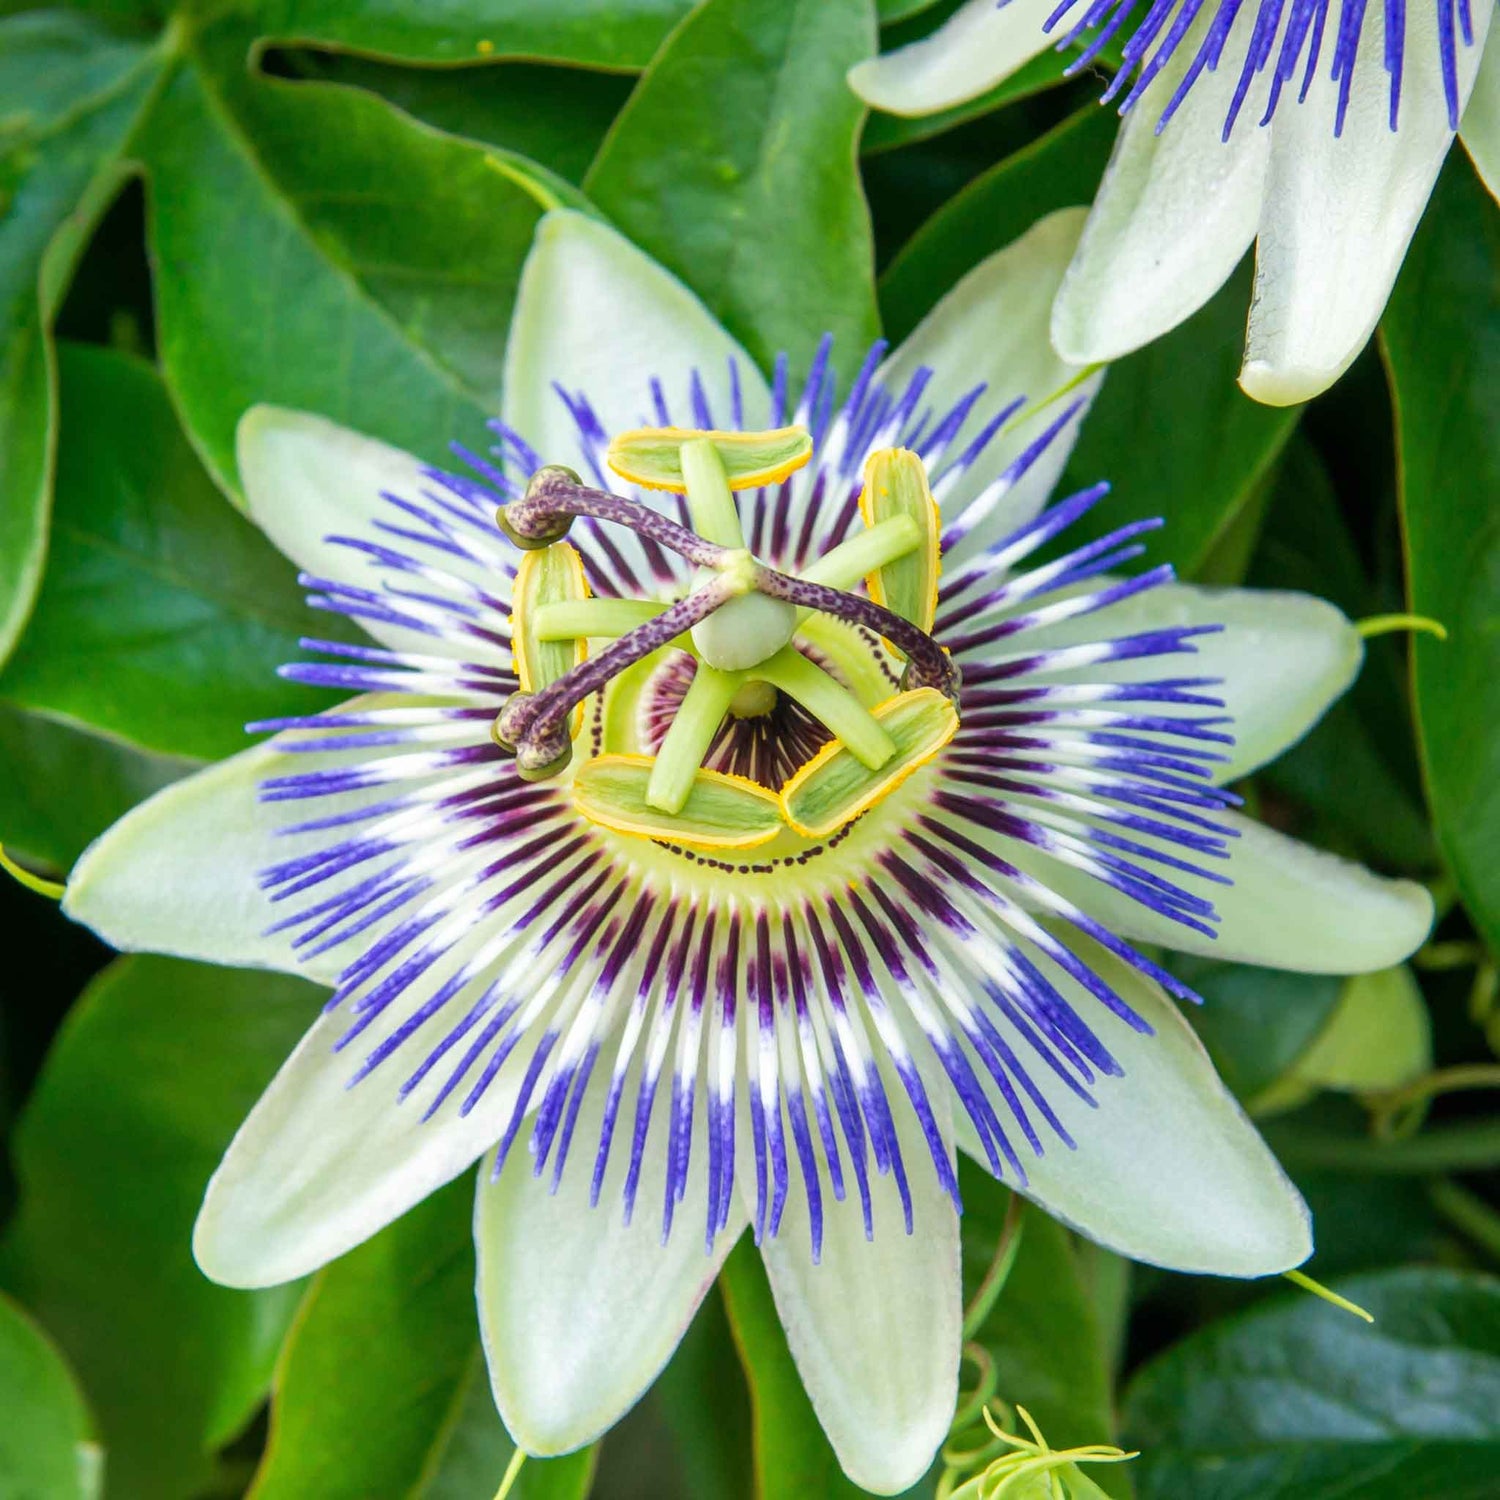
(652, 456)
(896, 485)
(720, 812)
(553, 575)
(834, 788)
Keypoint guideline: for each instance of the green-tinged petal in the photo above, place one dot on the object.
(1291, 906)
(1480, 127)
(1340, 210)
(977, 47)
(1283, 658)
(177, 874)
(875, 1327)
(579, 1311)
(1174, 213)
(992, 327)
(1167, 1169)
(597, 315)
(307, 480)
(1380, 1037)
(322, 1162)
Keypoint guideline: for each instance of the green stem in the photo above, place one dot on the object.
(1375, 625)
(1006, 1248)
(863, 553)
(710, 500)
(681, 754)
(52, 889)
(1387, 1107)
(1300, 1278)
(512, 1470)
(825, 698)
(1468, 1213)
(568, 619)
(1473, 1146)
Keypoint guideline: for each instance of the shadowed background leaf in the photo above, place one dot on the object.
(1298, 1400)
(1441, 337)
(158, 1063)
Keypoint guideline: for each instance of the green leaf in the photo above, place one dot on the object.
(316, 248)
(1043, 1332)
(155, 1068)
(46, 1441)
(702, 1398)
(1360, 755)
(381, 1388)
(1060, 170)
(1176, 437)
(734, 165)
(555, 116)
(1255, 1022)
(1297, 1400)
(1441, 338)
(595, 33)
(164, 613)
(62, 786)
(793, 1460)
(69, 96)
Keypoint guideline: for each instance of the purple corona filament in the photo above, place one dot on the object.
(1165, 26)
(781, 1029)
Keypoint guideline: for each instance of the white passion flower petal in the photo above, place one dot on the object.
(981, 44)
(595, 315)
(579, 1310)
(179, 872)
(875, 1327)
(322, 1162)
(1290, 906)
(1283, 659)
(1480, 127)
(992, 328)
(1176, 210)
(1341, 210)
(1166, 1168)
(308, 482)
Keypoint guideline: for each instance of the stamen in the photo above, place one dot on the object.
(710, 502)
(742, 617)
(699, 715)
(849, 562)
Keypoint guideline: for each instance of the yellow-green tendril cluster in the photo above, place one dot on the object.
(1021, 1468)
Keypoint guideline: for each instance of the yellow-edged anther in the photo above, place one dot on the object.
(652, 456)
(896, 485)
(720, 811)
(553, 575)
(834, 788)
